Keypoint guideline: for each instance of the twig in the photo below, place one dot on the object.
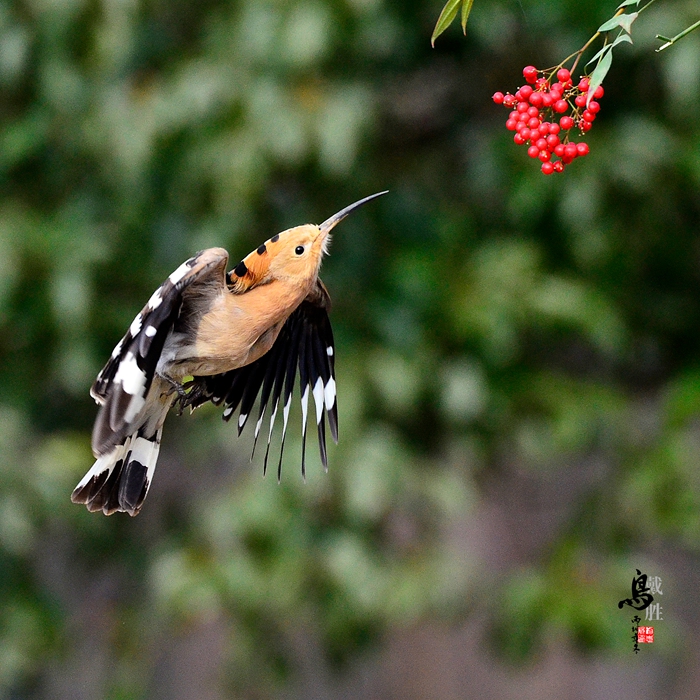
(670, 42)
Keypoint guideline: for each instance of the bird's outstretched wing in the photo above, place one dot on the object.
(122, 385)
(305, 343)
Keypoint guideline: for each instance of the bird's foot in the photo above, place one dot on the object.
(173, 386)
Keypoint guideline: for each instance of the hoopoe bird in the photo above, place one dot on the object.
(238, 335)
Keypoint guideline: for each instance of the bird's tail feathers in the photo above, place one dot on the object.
(120, 479)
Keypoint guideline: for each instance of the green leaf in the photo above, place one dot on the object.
(466, 9)
(624, 21)
(449, 12)
(620, 38)
(610, 24)
(598, 75)
(627, 3)
(605, 49)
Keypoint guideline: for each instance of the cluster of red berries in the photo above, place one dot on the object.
(535, 109)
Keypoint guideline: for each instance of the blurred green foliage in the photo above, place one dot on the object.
(490, 322)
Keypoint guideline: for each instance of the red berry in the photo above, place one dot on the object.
(536, 99)
(599, 92)
(530, 74)
(535, 102)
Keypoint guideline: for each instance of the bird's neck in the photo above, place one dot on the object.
(240, 327)
(270, 303)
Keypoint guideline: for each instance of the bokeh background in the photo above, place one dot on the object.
(518, 356)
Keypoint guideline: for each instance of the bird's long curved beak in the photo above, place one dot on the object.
(328, 224)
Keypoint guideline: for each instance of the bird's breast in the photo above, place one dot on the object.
(237, 329)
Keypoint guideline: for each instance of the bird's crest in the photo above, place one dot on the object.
(251, 271)
(255, 268)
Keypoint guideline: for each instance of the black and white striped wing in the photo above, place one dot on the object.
(122, 385)
(304, 345)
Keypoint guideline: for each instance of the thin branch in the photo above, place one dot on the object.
(582, 50)
(671, 42)
(651, 2)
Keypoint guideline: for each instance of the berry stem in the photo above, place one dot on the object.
(581, 51)
(621, 11)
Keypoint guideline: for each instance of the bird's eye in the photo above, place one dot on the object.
(299, 250)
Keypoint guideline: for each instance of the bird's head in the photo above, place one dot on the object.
(294, 255)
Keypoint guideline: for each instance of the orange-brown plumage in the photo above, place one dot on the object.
(245, 317)
(252, 320)
(239, 334)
